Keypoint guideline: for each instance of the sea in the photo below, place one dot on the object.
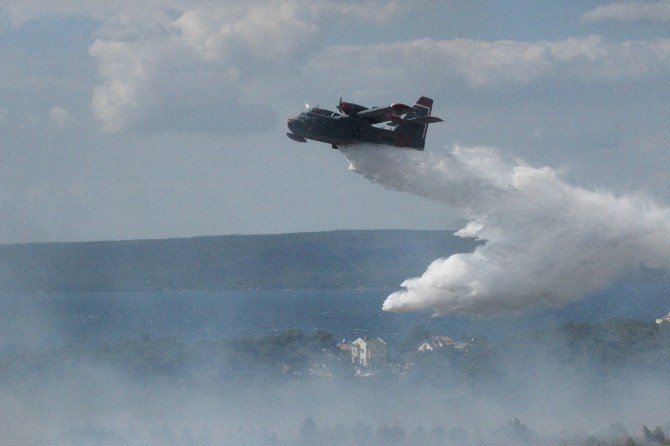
(44, 320)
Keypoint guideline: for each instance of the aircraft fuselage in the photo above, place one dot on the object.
(399, 125)
(333, 128)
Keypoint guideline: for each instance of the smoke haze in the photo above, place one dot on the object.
(166, 391)
(547, 242)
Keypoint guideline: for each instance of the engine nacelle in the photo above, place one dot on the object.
(349, 108)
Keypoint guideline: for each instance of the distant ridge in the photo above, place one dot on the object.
(312, 260)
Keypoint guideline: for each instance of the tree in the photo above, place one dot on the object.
(458, 435)
(437, 435)
(413, 339)
(308, 434)
(323, 339)
(390, 435)
(419, 436)
(517, 431)
(656, 436)
(617, 430)
(361, 433)
(659, 435)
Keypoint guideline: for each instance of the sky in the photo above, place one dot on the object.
(155, 119)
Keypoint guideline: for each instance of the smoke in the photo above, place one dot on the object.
(547, 242)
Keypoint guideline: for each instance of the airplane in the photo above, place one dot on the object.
(356, 124)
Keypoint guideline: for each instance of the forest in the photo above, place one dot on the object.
(600, 364)
(315, 260)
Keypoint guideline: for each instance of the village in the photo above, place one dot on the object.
(471, 357)
(369, 355)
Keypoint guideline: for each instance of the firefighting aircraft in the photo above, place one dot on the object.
(406, 126)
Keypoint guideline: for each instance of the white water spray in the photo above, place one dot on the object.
(547, 242)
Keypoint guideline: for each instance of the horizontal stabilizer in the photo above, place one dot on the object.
(395, 118)
(399, 108)
(295, 137)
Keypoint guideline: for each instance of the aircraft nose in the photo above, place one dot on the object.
(291, 123)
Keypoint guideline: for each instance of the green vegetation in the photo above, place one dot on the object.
(609, 347)
(310, 362)
(612, 345)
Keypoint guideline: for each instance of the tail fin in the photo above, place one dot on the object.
(414, 126)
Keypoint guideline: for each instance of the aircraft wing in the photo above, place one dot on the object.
(420, 120)
(378, 115)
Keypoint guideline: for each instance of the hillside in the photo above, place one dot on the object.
(337, 259)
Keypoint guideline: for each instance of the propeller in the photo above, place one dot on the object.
(339, 105)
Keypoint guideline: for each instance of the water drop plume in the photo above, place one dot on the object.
(547, 242)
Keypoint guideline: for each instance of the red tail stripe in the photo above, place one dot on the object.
(426, 102)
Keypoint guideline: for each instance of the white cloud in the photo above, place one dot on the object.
(254, 57)
(277, 32)
(24, 11)
(634, 11)
(199, 55)
(362, 11)
(164, 58)
(125, 71)
(480, 63)
(366, 12)
(203, 32)
(159, 58)
(269, 32)
(61, 117)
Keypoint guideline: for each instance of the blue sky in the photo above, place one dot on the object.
(123, 120)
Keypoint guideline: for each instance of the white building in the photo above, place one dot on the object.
(368, 352)
(663, 319)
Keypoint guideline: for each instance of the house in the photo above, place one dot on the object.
(344, 348)
(436, 343)
(663, 319)
(368, 352)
